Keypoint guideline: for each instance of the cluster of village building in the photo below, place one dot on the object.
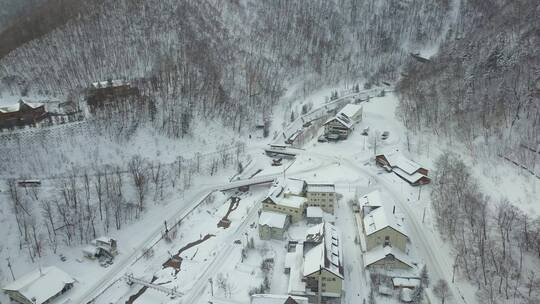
(314, 261)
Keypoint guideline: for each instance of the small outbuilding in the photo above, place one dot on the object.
(272, 225)
(39, 286)
(314, 215)
(106, 243)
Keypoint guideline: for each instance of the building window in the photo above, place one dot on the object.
(386, 241)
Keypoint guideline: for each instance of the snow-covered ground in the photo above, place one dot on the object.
(349, 164)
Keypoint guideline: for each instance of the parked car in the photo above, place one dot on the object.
(276, 161)
(333, 137)
(322, 139)
(385, 135)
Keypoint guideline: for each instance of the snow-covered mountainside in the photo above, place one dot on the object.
(485, 77)
(138, 139)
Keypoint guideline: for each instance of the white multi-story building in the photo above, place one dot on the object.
(321, 195)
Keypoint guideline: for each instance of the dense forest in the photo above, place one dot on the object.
(230, 62)
(485, 77)
(199, 57)
(233, 59)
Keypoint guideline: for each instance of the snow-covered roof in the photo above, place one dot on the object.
(313, 211)
(294, 186)
(41, 285)
(411, 178)
(372, 199)
(296, 285)
(406, 295)
(90, 250)
(10, 108)
(290, 258)
(320, 187)
(406, 282)
(334, 251)
(346, 122)
(277, 299)
(106, 83)
(292, 201)
(286, 187)
(327, 255)
(104, 239)
(381, 252)
(275, 191)
(381, 218)
(314, 259)
(346, 115)
(351, 110)
(272, 219)
(398, 160)
(16, 107)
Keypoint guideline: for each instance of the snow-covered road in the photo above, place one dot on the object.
(194, 200)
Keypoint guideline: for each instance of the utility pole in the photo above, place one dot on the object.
(211, 286)
(424, 216)
(319, 287)
(419, 191)
(285, 169)
(10, 269)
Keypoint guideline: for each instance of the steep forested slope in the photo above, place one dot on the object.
(485, 77)
(30, 19)
(202, 57)
(10, 10)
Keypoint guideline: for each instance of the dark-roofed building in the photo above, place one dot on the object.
(405, 168)
(21, 113)
(107, 93)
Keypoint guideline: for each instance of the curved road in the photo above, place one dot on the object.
(195, 199)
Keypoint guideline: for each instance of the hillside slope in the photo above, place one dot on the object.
(485, 77)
